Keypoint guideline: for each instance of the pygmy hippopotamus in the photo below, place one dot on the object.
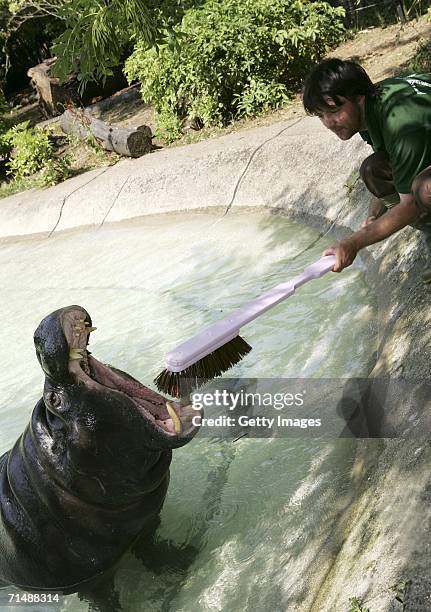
(90, 472)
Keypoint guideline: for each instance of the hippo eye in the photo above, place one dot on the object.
(53, 399)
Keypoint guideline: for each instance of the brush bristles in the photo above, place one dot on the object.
(180, 384)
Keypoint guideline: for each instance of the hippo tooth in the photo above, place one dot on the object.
(175, 419)
(76, 354)
(90, 329)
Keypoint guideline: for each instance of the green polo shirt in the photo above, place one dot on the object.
(398, 119)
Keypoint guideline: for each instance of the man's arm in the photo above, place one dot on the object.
(396, 218)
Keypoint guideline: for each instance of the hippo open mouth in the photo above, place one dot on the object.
(89, 475)
(170, 418)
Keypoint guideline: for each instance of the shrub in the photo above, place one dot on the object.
(4, 125)
(55, 170)
(421, 61)
(30, 150)
(234, 58)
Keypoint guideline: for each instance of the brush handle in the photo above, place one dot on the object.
(219, 333)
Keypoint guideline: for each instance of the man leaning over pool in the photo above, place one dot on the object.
(394, 117)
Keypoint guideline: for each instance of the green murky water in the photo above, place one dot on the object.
(246, 525)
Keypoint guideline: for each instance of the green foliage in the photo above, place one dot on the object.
(169, 125)
(421, 62)
(356, 605)
(30, 151)
(259, 95)
(55, 170)
(31, 147)
(401, 590)
(97, 33)
(234, 58)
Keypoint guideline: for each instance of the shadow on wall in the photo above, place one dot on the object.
(391, 510)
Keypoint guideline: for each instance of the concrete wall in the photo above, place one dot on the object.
(383, 531)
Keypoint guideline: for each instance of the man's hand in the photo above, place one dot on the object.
(345, 253)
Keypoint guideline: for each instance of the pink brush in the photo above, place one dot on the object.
(219, 346)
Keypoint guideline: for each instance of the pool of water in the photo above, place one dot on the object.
(244, 521)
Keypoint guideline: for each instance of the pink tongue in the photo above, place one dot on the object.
(167, 424)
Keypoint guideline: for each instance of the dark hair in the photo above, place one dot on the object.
(332, 78)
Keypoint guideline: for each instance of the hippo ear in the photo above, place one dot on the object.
(52, 348)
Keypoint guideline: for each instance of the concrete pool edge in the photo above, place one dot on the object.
(302, 170)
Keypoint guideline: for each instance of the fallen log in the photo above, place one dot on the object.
(132, 142)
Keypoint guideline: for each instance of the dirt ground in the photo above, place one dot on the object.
(385, 52)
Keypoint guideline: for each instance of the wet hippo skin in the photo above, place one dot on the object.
(90, 472)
